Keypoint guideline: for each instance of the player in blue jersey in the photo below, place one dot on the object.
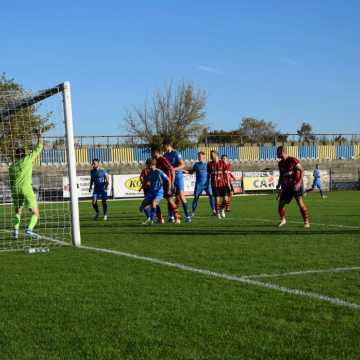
(200, 169)
(155, 181)
(178, 164)
(317, 182)
(100, 181)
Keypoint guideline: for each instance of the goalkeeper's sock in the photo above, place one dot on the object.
(33, 222)
(16, 221)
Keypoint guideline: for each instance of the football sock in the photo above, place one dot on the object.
(105, 207)
(96, 207)
(158, 212)
(153, 213)
(212, 202)
(186, 209)
(16, 221)
(194, 203)
(170, 210)
(227, 204)
(147, 212)
(305, 213)
(33, 222)
(282, 213)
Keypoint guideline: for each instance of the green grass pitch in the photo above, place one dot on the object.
(81, 304)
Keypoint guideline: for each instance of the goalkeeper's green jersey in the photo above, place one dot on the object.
(20, 172)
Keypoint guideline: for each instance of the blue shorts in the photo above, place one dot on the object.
(100, 194)
(179, 183)
(316, 184)
(201, 187)
(157, 196)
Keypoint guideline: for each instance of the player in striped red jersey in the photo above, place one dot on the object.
(165, 166)
(217, 173)
(291, 185)
(230, 179)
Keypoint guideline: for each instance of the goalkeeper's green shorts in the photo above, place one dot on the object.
(24, 199)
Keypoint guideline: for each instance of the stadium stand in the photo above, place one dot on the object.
(115, 154)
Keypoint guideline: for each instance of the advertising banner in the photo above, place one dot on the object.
(125, 186)
(325, 179)
(255, 181)
(83, 183)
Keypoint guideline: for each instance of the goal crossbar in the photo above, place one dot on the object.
(14, 106)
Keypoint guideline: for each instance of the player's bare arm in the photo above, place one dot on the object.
(107, 181)
(299, 177)
(181, 166)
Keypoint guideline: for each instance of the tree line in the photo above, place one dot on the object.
(177, 113)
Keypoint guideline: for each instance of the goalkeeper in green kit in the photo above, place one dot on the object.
(20, 175)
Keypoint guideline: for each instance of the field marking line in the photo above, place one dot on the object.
(300, 222)
(303, 272)
(239, 279)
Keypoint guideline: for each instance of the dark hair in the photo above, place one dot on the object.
(167, 142)
(201, 153)
(280, 148)
(148, 161)
(96, 159)
(155, 148)
(214, 152)
(223, 155)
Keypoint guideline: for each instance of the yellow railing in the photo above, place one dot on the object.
(81, 156)
(327, 152)
(293, 151)
(249, 153)
(122, 155)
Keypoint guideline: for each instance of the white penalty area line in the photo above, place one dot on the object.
(300, 222)
(239, 279)
(303, 272)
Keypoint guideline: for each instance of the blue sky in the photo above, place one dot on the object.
(284, 61)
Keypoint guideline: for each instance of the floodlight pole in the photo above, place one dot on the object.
(71, 160)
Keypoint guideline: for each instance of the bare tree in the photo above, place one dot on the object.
(176, 113)
(305, 132)
(257, 131)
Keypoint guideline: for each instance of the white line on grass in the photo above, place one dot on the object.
(303, 272)
(42, 237)
(240, 279)
(300, 222)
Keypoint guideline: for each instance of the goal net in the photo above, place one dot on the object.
(36, 154)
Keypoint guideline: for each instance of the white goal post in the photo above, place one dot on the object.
(37, 128)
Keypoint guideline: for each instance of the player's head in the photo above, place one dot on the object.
(19, 153)
(168, 145)
(95, 164)
(148, 163)
(153, 164)
(214, 155)
(201, 156)
(155, 151)
(317, 166)
(281, 152)
(225, 158)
